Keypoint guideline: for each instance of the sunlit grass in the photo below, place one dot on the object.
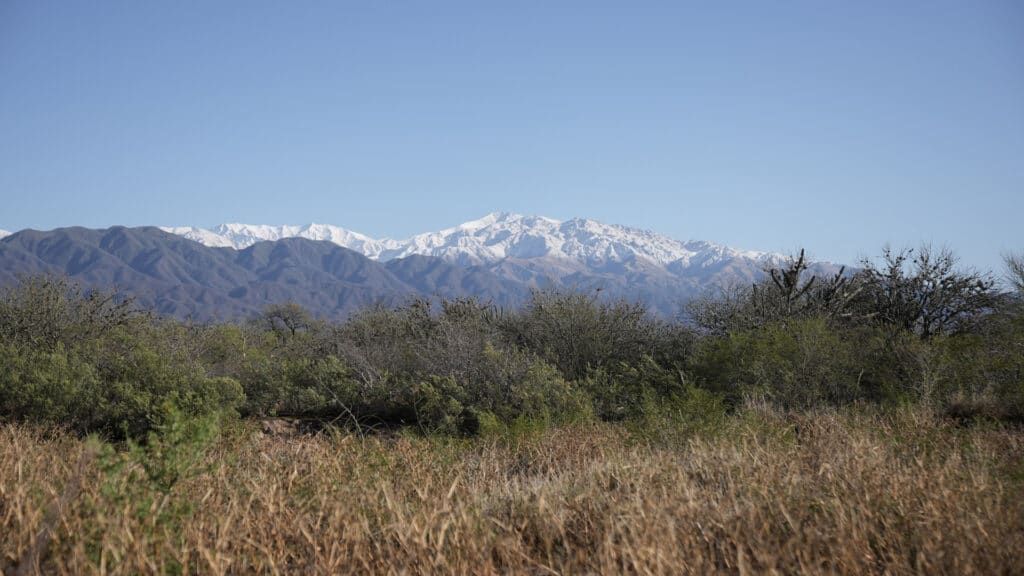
(820, 492)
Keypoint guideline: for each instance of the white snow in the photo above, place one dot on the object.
(200, 235)
(494, 237)
(4, 233)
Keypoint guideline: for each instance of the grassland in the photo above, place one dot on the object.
(851, 491)
(842, 426)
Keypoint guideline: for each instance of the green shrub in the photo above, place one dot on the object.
(143, 480)
(441, 369)
(54, 387)
(437, 404)
(118, 389)
(441, 404)
(578, 333)
(678, 416)
(984, 372)
(794, 364)
(141, 372)
(621, 391)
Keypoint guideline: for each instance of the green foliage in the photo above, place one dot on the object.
(984, 372)
(442, 370)
(44, 312)
(95, 375)
(436, 403)
(442, 404)
(797, 364)
(624, 390)
(144, 478)
(678, 416)
(46, 386)
(173, 449)
(578, 333)
(90, 362)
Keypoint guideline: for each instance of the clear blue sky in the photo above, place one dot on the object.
(839, 126)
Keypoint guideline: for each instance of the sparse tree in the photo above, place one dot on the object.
(789, 284)
(43, 311)
(924, 292)
(286, 320)
(1015, 271)
(578, 332)
(789, 292)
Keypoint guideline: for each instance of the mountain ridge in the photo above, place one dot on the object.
(578, 253)
(234, 270)
(493, 237)
(183, 278)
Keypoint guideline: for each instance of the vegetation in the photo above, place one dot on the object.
(853, 491)
(866, 422)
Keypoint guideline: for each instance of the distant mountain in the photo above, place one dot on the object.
(235, 270)
(241, 236)
(582, 254)
(494, 237)
(4, 233)
(182, 278)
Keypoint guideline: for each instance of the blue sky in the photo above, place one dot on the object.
(839, 126)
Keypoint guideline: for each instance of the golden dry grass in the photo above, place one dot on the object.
(815, 493)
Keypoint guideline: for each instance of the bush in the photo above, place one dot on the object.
(44, 311)
(121, 394)
(624, 390)
(578, 333)
(143, 481)
(53, 387)
(516, 388)
(143, 369)
(677, 417)
(90, 362)
(795, 364)
(788, 292)
(441, 370)
(984, 372)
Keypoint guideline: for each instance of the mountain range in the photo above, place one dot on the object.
(494, 237)
(234, 270)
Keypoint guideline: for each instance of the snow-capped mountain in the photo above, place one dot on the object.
(496, 237)
(4, 233)
(233, 270)
(241, 236)
(534, 251)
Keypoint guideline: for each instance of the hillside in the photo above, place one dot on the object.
(185, 279)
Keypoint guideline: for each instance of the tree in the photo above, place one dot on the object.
(924, 292)
(789, 286)
(43, 311)
(286, 320)
(1015, 271)
(787, 293)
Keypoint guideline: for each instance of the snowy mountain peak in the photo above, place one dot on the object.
(4, 233)
(488, 220)
(238, 236)
(496, 237)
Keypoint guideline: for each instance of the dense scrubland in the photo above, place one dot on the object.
(864, 423)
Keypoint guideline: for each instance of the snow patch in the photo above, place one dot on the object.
(498, 236)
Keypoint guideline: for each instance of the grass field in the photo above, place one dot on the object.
(851, 492)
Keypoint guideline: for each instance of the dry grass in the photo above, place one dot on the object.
(815, 493)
